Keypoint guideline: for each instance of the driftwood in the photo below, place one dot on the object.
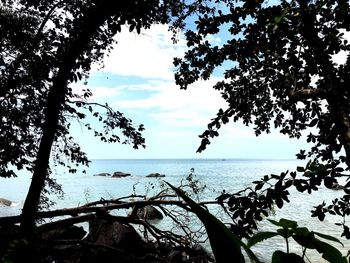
(89, 211)
(101, 206)
(171, 244)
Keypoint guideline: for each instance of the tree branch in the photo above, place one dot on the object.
(305, 93)
(108, 205)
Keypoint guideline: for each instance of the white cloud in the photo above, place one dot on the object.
(148, 55)
(174, 107)
(178, 115)
(99, 92)
(169, 97)
(103, 92)
(174, 134)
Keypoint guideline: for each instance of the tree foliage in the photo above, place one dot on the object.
(283, 74)
(36, 37)
(305, 238)
(45, 47)
(279, 72)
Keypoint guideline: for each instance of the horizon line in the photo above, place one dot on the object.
(194, 158)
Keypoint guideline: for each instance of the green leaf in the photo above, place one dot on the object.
(285, 232)
(225, 245)
(261, 237)
(304, 238)
(329, 253)
(278, 19)
(302, 231)
(282, 257)
(285, 223)
(300, 169)
(328, 238)
(313, 122)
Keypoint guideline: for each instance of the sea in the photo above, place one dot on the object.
(213, 175)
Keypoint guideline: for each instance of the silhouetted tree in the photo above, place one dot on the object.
(46, 46)
(279, 72)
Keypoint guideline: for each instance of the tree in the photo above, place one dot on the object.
(63, 58)
(43, 52)
(46, 46)
(81, 40)
(281, 75)
(282, 65)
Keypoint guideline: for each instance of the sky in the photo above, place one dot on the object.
(138, 80)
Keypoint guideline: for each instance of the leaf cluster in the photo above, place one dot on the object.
(278, 68)
(253, 204)
(304, 237)
(276, 61)
(38, 40)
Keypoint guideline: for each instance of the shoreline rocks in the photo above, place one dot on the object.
(106, 240)
(156, 175)
(114, 175)
(5, 202)
(149, 213)
(120, 174)
(65, 233)
(126, 243)
(103, 174)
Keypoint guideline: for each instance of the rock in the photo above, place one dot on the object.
(176, 256)
(5, 202)
(102, 174)
(71, 232)
(203, 253)
(8, 232)
(120, 236)
(186, 254)
(120, 174)
(156, 175)
(149, 213)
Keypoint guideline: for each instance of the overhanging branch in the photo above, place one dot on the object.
(306, 93)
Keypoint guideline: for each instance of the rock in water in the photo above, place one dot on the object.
(5, 202)
(120, 174)
(149, 213)
(156, 175)
(102, 174)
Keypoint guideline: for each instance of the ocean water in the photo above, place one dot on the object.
(230, 175)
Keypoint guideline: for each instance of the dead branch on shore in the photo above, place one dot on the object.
(182, 230)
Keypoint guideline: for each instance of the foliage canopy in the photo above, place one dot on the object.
(279, 71)
(45, 47)
(282, 72)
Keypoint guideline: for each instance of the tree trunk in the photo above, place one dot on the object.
(55, 102)
(54, 106)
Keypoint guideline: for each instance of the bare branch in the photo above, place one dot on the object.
(107, 205)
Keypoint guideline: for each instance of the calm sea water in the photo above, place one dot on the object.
(216, 174)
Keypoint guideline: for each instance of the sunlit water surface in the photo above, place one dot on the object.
(216, 174)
